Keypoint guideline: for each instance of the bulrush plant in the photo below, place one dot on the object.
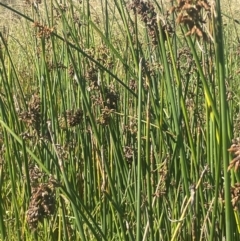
(116, 120)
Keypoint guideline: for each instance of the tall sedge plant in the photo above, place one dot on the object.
(119, 128)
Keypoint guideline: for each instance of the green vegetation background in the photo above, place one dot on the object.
(119, 120)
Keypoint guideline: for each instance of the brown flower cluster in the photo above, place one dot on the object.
(130, 132)
(131, 128)
(71, 118)
(104, 57)
(110, 97)
(92, 77)
(162, 188)
(235, 149)
(104, 97)
(33, 116)
(43, 31)
(42, 202)
(129, 153)
(108, 100)
(55, 66)
(58, 11)
(189, 13)
(147, 15)
(104, 117)
(35, 174)
(235, 193)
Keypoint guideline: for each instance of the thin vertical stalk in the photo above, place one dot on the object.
(139, 163)
(2, 213)
(149, 173)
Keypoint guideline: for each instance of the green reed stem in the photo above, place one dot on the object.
(139, 163)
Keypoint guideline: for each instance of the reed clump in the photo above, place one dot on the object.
(116, 120)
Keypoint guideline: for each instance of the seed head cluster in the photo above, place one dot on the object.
(190, 14)
(42, 201)
(148, 15)
(235, 150)
(42, 205)
(32, 117)
(43, 31)
(71, 118)
(235, 194)
(103, 97)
